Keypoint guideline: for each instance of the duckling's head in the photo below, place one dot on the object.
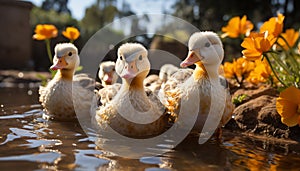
(205, 47)
(107, 73)
(66, 57)
(132, 61)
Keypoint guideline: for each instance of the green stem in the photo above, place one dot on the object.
(49, 49)
(290, 54)
(282, 65)
(285, 41)
(294, 61)
(237, 80)
(275, 74)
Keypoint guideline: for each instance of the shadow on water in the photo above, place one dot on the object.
(28, 142)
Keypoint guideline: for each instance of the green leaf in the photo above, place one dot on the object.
(79, 68)
(43, 79)
(239, 99)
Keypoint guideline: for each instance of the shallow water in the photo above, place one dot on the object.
(28, 142)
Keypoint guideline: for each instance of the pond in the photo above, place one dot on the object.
(28, 142)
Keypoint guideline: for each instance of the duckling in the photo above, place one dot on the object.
(203, 90)
(107, 93)
(152, 84)
(108, 87)
(107, 73)
(57, 97)
(131, 112)
(166, 71)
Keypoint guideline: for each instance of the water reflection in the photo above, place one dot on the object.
(28, 142)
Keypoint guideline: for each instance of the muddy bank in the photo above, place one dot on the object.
(256, 113)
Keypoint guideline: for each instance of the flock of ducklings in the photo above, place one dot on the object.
(141, 106)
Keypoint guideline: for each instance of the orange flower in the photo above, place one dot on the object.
(257, 44)
(71, 33)
(255, 78)
(242, 67)
(274, 25)
(44, 31)
(288, 106)
(228, 70)
(237, 26)
(261, 72)
(291, 37)
(238, 69)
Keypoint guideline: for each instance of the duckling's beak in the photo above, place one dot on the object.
(190, 59)
(59, 63)
(108, 77)
(129, 71)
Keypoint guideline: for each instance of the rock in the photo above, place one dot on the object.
(257, 113)
(246, 115)
(254, 93)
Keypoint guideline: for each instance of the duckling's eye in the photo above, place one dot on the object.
(70, 53)
(140, 57)
(207, 44)
(121, 57)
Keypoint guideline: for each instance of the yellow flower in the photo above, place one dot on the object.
(237, 26)
(71, 33)
(291, 37)
(228, 70)
(274, 25)
(256, 44)
(242, 67)
(288, 106)
(261, 72)
(44, 31)
(255, 78)
(238, 69)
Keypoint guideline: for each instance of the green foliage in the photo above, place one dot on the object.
(212, 15)
(44, 79)
(60, 20)
(95, 18)
(239, 99)
(60, 6)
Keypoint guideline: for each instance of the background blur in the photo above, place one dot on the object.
(18, 19)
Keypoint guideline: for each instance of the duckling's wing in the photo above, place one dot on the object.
(153, 97)
(98, 86)
(84, 81)
(173, 82)
(223, 82)
(106, 94)
(42, 93)
(229, 106)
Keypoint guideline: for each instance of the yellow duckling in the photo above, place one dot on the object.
(131, 112)
(204, 91)
(56, 97)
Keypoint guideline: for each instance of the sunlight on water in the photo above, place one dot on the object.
(29, 142)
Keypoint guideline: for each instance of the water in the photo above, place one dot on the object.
(28, 142)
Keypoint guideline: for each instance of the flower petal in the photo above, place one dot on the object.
(292, 93)
(292, 121)
(251, 55)
(286, 108)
